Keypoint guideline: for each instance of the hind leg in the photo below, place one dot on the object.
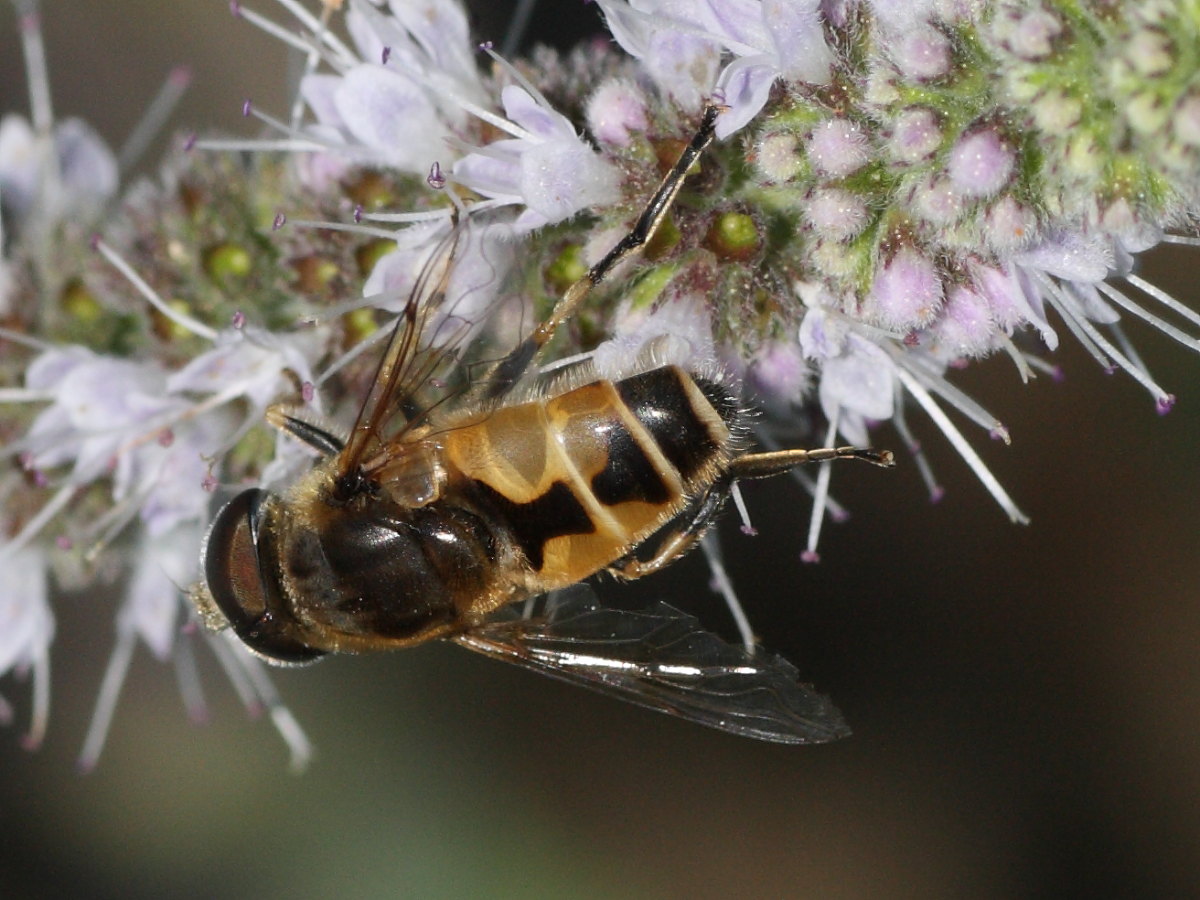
(681, 534)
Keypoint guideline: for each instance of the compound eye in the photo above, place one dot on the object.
(240, 586)
(231, 559)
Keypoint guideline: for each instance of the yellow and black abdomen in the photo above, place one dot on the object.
(575, 481)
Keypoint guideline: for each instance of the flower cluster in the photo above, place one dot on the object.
(896, 189)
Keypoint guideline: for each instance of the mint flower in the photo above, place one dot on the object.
(26, 631)
(899, 190)
(116, 444)
(544, 167)
(86, 176)
(682, 44)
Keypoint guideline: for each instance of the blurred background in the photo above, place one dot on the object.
(1025, 700)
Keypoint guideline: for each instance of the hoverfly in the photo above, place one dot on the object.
(436, 526)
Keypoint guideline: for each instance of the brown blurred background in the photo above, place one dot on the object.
(1025, 699)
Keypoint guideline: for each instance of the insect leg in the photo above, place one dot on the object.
(509, 370)
(764, 465)
(681, 535)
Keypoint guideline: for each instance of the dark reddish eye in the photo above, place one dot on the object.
(240, 584)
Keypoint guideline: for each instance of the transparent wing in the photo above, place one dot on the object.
(663, 659)
(409, 362)
(456, 322)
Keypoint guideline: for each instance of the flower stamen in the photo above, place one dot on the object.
(151, 123)
(964, 449)
(723, 584)
(183, 321)
(110, 692)
(916, 450)
(820, 498)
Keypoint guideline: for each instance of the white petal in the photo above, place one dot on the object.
(559, 180)
(48, 370)
(112, 394)
(536, 118)
(320, 93)
(683, 65)
(798, 39)
(440, 27)
(629, 29)
(1014, 302)
(392, 116)
(1071, 256)
(26, 622)
(18, 163)
(366, 32)
(173, 477)
(862, 380)
(1093, 306)
(494, 172)
(249, 359)
(821, 336)
(745, 85)
(166, 564)
(740, 21)
(89, 169)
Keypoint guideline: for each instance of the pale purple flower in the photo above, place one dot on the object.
(856, 383)
(938, 202)
(898, 16)
(394, 274)
(838, 147)
(247, 362)
(27, 629)
(483, 260)
(126, 421)
(1011, 304)
(779, 159)
(614, 110)
(966, 327)
(74, 175)
(1071, 256)
(382, 116)
(166, 565)
(681, 43)
(171, 479)
(545, 167)
(835, 214)
(915, 135)
(907, 291)
(1028, 33)
(151, 611)
(400, 93)
(922, 52)
(980, 164)
(428, 41)
(675, 50)
(1009, 226)
(105, 411)
(779, 377)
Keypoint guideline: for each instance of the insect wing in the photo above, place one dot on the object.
(405, 365)
(663, 659)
